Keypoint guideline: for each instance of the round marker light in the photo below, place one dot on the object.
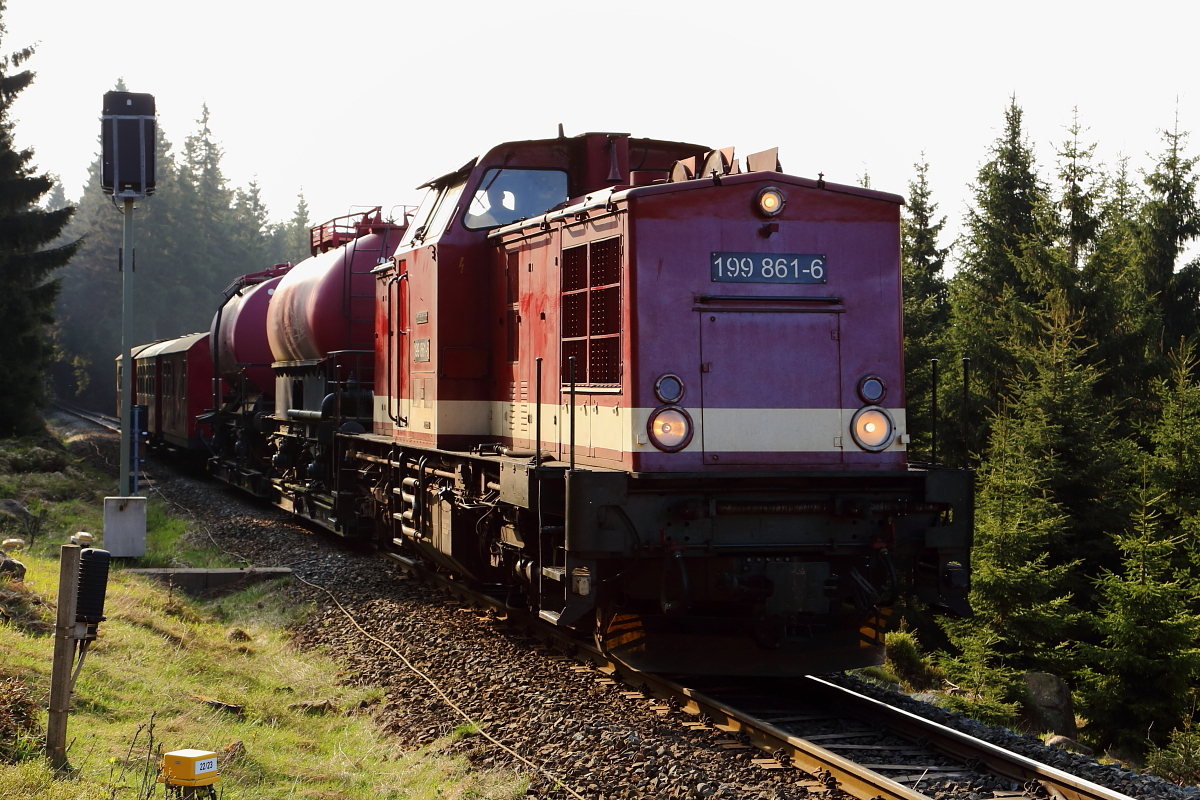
(769, 201)
(669, 388)
(872, 429)
(670, 429)
(872, 389)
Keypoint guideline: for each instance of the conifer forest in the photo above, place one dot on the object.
(1071, 301)
(1068, 290)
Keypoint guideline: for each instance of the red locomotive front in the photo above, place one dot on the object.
(660, 401)
(709, 332)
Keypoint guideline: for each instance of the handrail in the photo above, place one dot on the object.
(706, 298)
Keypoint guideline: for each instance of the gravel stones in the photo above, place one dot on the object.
(538, 702)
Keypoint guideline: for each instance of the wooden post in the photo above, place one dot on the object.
(64, 655)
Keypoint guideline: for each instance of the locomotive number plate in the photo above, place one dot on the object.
(768, 267)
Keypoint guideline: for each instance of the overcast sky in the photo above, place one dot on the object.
(357, 103)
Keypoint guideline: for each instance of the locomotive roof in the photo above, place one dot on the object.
(462, 171)
(602, 198)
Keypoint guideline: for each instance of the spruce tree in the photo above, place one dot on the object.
(995, 295)
(926, 304)
(251, 228)
(1171, 219)
(290, 241)
(1119, 320)
(1173, 464)
(989, 691)
(1138, 679)
(1074, 435)
(1080, 183)
(1054, 476)
(57, 198)
(1003, 224)
(207, 250)
(27, 290)
(1017, 594)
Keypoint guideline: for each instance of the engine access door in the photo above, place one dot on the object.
(770, 387)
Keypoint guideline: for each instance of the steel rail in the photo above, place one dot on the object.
(103, 420)
(959, 745)
(854, 779)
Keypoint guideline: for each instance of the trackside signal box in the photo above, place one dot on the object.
(189, 768)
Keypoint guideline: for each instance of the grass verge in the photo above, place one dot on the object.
(169, 672)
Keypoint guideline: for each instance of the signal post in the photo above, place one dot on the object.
(127, 135)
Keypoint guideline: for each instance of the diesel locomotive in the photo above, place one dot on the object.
(648, 391)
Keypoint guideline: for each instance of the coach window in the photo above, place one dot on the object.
(507, 195)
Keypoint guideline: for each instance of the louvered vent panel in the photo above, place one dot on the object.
(604, 360)
(605, 311)
(574, 268)
(606, 262)
(577, 348)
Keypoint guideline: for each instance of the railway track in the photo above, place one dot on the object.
(103, 420)
(844, 742)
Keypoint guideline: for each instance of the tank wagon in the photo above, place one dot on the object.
(243, 387)
(645, 389)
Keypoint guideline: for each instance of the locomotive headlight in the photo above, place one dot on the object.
(872, 428)
(769, 201)
(670, 428)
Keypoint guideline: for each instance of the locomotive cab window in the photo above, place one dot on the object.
(420, 220)
(432, 215)
(507, 195)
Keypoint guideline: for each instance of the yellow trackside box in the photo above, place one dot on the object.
(189, 768)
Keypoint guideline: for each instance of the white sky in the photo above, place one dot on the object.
(357, 103)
